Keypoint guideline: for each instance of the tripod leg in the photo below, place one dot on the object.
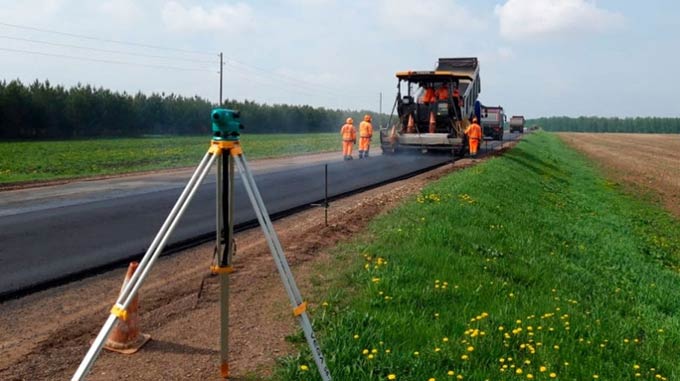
(224, 249)
(131, 288)
(299, 307)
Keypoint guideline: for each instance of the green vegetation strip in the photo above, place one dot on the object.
(528, 266)
(49, 160)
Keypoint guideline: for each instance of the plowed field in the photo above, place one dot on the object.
(649, 162)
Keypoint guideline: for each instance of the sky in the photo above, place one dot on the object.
(537, 57)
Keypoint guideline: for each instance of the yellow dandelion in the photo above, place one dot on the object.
(304, 368)
(553, 375)
(392, 376)
(450, 373)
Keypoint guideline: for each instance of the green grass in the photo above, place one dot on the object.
(49, 160)
(529, 261)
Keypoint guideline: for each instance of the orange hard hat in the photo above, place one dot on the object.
(367, 118)
(349, 121)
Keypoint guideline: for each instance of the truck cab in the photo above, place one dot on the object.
(493, 121)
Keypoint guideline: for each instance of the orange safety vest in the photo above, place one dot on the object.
(474, 131)
(349, 133)
(428, 97)
(365, 129)
(442, 93)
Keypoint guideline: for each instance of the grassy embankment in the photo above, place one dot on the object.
(528, 266)
(48, 160)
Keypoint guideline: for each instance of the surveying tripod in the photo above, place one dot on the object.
(225, 148)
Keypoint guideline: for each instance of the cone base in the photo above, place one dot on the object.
(128, 348)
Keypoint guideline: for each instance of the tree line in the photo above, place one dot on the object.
(599, 124)
(43, 111)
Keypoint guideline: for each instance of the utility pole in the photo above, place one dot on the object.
(221, 69)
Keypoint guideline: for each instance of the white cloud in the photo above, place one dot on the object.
(34, 12)
(123, 10)
(427, 17)
(505, 53)
(312, 3)
(226, 17)
(535, 19)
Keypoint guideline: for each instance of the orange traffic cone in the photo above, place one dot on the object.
(433, 123)
(411, 125)
(125, 336)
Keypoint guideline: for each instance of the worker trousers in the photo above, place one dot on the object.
(347, 148)
(364, 144)
(474, 144)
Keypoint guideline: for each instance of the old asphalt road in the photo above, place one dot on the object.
(65, 238)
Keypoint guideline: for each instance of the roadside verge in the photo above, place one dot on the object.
(528, 266)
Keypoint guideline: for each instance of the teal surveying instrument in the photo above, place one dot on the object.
(226, 125)
(225, 149)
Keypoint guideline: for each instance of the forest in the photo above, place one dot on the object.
(43, 111)
(599, 124)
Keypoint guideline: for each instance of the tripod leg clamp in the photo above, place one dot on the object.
(119, 312)
(221, 270)
(300, 309)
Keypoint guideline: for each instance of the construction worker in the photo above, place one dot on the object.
(349, 138)
(474, 134)
(365, 135)
(428, 96)
(443, 92)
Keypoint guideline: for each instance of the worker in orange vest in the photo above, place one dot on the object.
(349, 138)
(428, 96)
(443, 92)
(365, 135)
(474, 134)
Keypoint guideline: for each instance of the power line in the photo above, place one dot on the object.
(104, 50)
(290, 87)
(316, 87)
(302, 85)
(105, 61)
(310, 85)
(105, 39)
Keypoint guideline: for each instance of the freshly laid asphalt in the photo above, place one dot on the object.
(41, 245)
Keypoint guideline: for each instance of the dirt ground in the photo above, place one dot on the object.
(650, 163)
(46, 334)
